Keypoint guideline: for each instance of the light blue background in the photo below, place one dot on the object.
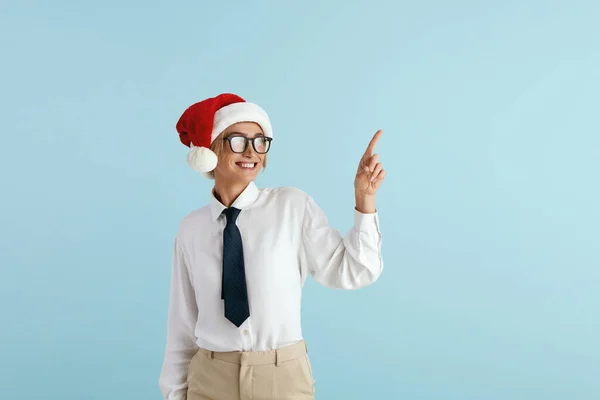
(490, 213)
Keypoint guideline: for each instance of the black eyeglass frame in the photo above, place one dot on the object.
(247, 139)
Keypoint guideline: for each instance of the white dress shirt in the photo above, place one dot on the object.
(285, 238)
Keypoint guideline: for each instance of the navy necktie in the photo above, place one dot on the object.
(233, 289)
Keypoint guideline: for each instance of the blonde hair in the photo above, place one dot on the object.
(218, 147)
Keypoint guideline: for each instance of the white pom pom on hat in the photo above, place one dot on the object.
(201, 159)
(203, 122)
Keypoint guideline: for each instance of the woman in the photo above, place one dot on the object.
(239, 263)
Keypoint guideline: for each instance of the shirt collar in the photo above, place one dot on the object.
(243, 201)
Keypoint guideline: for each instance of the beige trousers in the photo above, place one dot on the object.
(282, 374)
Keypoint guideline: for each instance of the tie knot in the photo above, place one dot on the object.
(231, 213)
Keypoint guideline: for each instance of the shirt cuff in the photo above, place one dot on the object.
(367, 223)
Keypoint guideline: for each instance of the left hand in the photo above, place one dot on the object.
(370, 172)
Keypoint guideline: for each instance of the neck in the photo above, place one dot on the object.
(228, 192)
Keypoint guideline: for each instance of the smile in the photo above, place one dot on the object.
(246, 166)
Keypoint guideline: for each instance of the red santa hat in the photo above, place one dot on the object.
(202, 122)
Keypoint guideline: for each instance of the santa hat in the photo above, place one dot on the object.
(202, 122)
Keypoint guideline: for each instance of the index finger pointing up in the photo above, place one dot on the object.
(373, 142)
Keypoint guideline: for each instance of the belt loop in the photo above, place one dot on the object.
(211, 355)
(306, 347)
(277, 358)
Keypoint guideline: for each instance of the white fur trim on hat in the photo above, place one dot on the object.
(201, 159)
(240, 112)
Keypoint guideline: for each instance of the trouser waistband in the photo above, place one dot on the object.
(276, 357)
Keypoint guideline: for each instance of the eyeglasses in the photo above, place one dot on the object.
(239, 144)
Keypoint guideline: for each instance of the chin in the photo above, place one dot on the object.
(243, 176)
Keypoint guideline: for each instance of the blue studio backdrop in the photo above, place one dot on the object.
(489, 210)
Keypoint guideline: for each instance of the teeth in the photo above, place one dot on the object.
(247, 165)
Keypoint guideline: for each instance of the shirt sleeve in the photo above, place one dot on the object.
(181, 342)
(341, 262)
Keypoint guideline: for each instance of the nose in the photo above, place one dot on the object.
(249, 150)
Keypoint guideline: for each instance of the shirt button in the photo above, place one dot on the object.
(246, 332)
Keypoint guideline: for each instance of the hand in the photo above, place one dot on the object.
(370, 172)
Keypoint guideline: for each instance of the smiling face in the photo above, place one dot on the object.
(235, 167)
